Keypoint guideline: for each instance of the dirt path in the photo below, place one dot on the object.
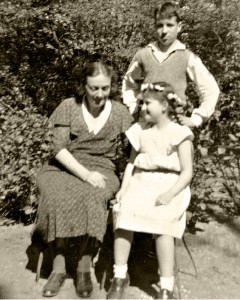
(216, 251)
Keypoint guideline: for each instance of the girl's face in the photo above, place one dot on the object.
(97, 90)
(153, 109)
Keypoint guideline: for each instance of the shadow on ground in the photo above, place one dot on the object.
(215, 248)
(143, 266)
(142, 261)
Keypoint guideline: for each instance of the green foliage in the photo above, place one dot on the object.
(24, 140)
(214, 34)
(43, 40)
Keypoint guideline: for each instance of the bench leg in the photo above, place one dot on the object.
(39, 266)
(176, 273)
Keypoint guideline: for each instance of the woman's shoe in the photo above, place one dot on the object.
(118, 288)
(53, 285)
(84, 285)
(164, 294)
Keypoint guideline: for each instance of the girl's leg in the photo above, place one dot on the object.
(122, 245)
(165, 255)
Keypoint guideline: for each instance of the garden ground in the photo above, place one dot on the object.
(215, 248)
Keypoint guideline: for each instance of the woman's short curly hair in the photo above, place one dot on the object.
(92, 69)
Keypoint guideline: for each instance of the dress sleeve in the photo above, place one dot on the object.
(61, 115)
(133, 134)
(183, 133)
(60, 123)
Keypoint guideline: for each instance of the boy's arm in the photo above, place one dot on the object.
(207, 88)
(131, 83)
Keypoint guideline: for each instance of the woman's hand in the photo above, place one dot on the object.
(96, 179)
(164, 199)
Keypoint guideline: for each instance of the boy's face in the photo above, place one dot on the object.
(167, 31)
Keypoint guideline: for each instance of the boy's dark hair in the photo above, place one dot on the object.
(166, 11)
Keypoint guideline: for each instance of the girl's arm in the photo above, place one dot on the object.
(127, 175)
(185, 153)
(66, 159)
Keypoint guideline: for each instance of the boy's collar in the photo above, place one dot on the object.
(176, 45)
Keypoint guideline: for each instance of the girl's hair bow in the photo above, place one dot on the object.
(151, 86)
(178, 100)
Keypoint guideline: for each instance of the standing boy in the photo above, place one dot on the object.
(168, 60)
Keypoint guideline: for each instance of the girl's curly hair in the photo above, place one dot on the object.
(165, 92)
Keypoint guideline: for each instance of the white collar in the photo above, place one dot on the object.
(161, 56)
(96, 124)
(176, 45)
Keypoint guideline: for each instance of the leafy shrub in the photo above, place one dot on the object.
(24, 140)
(43, 40)
(213, 33)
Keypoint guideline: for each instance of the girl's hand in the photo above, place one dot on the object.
(112, 203)
(163, 199)
(96, 179)
(119, 196)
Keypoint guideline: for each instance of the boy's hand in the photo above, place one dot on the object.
(186, 121)
(163, 199)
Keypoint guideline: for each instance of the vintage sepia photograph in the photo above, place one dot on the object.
(119, 149)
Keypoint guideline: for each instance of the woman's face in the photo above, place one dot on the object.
(97, 90)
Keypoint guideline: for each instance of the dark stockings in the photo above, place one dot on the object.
(58, 252)
(86, 248)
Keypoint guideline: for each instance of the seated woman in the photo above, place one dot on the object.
(77, 183)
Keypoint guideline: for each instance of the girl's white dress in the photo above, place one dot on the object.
(156, 170)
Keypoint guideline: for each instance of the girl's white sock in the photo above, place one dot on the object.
(167, 283)
(120, 271)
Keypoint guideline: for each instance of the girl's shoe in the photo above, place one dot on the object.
(84, 285)
(164, 294)
(53, 285)
(118, 288)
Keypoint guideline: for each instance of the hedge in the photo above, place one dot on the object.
(43, 40)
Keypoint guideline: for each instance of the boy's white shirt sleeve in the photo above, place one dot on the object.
(130, 86)
(198, 73)
(207, 88)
